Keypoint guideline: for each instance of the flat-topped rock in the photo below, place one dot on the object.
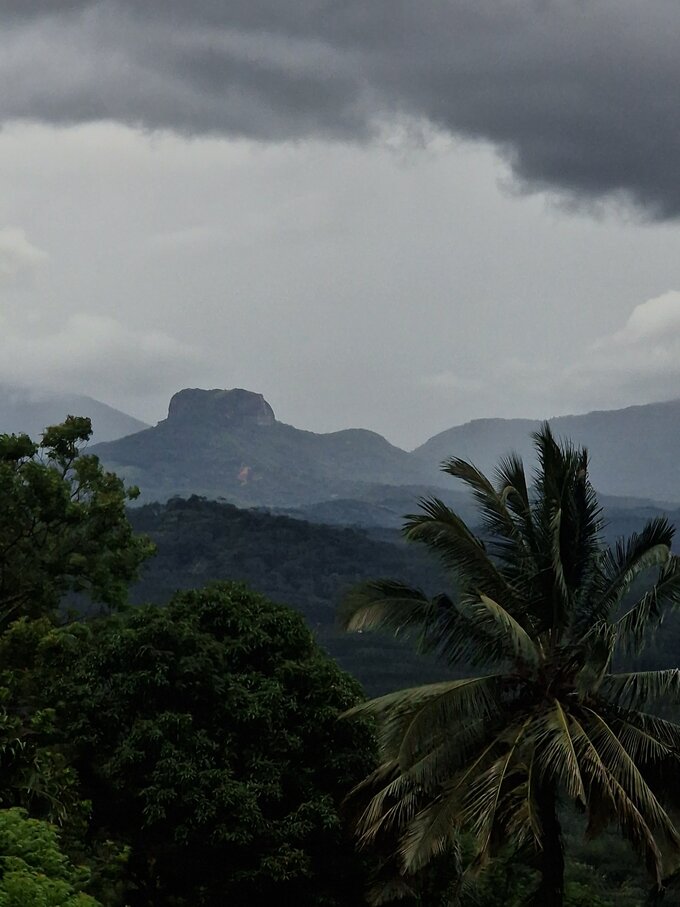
(220, 408)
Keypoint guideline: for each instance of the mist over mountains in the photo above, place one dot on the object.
(31, 410)
(229, 444)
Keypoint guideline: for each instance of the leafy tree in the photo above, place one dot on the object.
(540, 605)
(63, 526)
(33, 870)
(205, 735)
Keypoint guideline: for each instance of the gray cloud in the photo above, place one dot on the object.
(18, 256)
(93, 354)
(580, 97)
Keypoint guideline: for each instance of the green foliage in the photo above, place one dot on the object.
(205, 735)
(63, 525)
(33, 870)
(34, 772)
(291, 561)
(538, 605)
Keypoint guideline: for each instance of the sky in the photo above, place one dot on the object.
(394, 215)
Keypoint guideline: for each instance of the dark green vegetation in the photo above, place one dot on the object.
(542, 609)
(63, 526)
(191, 754)
(205, 736)
(306, 566)
(311, 567)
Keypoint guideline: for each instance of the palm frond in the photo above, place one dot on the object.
(634, 689)
(511, 481)
(595, 648)
(646, 614)
(499, 626)
(622, 767)
(411, 720)
(556, 754)
(609, 796)
(432, 831)
(475, 698)
(391, 808)
(388, 890)
(628, 559)
(439, 625)
(644, 748)
(497, 519)
(484, 795)
(522, 814)
(385, 604)
(666, 732)
(560, 596)
(568, 520)
(459, 549)
(432, 770)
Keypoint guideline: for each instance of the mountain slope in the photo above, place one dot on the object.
(293, 562)
(31, 410)
(310, 567)
(634, 451)
(229, 444)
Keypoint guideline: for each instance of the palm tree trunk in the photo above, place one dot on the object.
(550, 892)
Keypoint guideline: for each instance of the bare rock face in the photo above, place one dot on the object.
(220, 408)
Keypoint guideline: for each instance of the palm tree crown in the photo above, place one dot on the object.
(540, 609)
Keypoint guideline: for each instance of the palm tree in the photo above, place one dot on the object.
(541, 608)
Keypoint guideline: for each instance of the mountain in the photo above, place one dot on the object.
(229, 444)
(634, 452)
(31, 410)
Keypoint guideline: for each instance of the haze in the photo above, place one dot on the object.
(396, 215)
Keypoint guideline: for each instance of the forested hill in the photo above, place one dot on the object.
(294, 562)
(310, 567)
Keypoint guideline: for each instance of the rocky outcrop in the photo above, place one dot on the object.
(220, 408)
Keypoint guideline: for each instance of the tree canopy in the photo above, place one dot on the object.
(543, 608)
(206, 737)
(33, 869)
(63, 526)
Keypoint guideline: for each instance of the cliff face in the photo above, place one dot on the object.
(220, 408)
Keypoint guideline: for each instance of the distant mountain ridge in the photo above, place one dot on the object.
(228, 444)
(219, 443)
(31, 410)
(634, 452)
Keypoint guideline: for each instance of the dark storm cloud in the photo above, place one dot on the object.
(580, 95)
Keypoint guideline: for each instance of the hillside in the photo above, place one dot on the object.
(31, 410)
(634, 452)
(294, 562)
(310, 567)
(228, 444)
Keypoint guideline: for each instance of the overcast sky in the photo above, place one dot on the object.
(389, 214)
